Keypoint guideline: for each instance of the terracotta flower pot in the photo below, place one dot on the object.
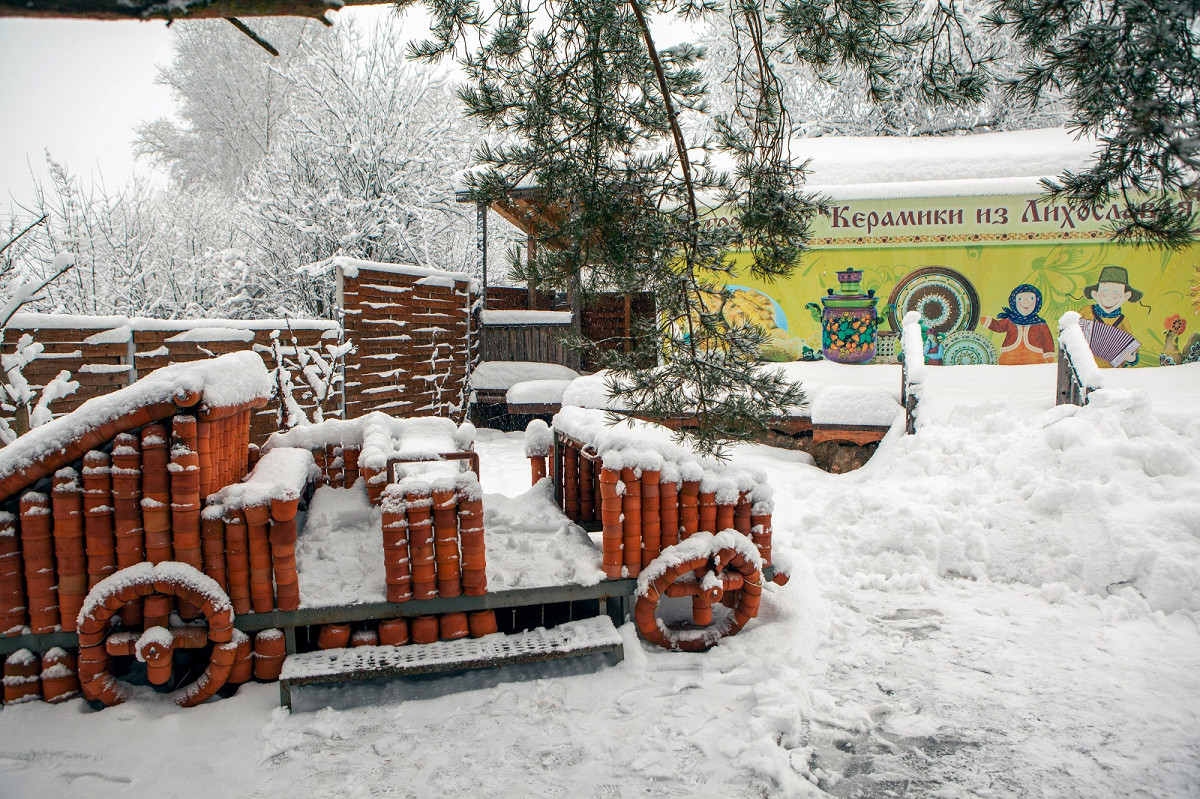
(482, 622)
(424, 629)
(453, 626)
(333, 636)
(393, 632)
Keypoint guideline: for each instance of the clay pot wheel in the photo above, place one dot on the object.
(160, 587)
(712, 571)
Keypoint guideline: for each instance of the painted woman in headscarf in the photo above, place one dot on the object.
(1027, 337)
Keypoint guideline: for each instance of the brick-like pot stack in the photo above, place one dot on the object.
(652, 499)
(433, 543)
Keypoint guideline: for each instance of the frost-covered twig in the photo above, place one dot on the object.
(28, 409)
(320, 372)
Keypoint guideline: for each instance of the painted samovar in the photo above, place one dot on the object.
(848, 321)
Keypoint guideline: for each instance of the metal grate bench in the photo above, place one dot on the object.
(571, 639)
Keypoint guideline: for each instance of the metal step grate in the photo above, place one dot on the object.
(571, 639)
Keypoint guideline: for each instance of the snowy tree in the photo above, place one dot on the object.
(231, 97)
(363, 165)
(319, 370)
(835, 99)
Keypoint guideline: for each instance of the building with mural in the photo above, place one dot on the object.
(956, 230)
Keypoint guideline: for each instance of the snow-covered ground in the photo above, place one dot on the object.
(1004, 605)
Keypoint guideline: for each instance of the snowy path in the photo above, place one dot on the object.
(1004, 605)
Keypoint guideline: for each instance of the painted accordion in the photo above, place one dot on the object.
(1109, 343)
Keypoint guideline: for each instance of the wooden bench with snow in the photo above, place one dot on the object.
(571, 639)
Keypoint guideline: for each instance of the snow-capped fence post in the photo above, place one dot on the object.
(1078, 374)
(912, 370)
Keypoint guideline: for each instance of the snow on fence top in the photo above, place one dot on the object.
(641, 445)
(44, 321)
(427, 276)
(526, 317)
(1070, 337)
(913, 343)
(238, 379)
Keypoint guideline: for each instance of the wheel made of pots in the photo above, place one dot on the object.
(160, 587)
(721, 575)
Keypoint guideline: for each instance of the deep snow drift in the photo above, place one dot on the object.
(1004, 605)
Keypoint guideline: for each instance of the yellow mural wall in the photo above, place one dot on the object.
(961, 267)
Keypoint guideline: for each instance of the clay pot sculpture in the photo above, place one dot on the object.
(364, 638)
(471, 543)
(482, 622)
(237, 560)
(243, 659)
(37, 549)
(668, 513)
(707, 511)
(610, 514)
(689, 508)
(587, 490)
(631, 523)
(12, 589)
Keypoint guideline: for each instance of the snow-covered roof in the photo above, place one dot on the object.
(233, 380)
(877, 167)
(426, 275)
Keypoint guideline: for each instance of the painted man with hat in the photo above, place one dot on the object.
(1108, 294)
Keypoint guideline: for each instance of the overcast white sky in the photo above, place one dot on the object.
(79, 88)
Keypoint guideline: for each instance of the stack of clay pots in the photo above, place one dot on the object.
(645, 510)
(37, 550)
(51, 677)
(433, 539)
(424, 629)
(141, 501)
(250, 550)
(12, 587)
(270, 648)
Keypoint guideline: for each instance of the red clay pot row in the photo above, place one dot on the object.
(12, 584)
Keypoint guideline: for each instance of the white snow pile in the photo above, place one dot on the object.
(854, 405)
(593, 391)
(538, 439)
(1070, 336)
(537, 392)
(1100, 499)
(281, 473)
(525, 317)
(503, 375)
(233, 379)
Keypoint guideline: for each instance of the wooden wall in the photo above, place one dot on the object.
(107, 353)
(415, 335)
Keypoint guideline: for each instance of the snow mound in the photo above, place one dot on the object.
(1100, 500)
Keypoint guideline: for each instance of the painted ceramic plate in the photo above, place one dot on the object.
(945, 299)
(968, 348)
